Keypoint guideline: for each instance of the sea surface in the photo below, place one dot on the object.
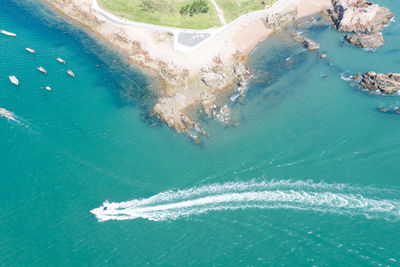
(308, 176)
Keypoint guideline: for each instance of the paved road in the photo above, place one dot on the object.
(186, 39)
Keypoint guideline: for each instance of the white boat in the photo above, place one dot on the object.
(6, 114)
(48, 88)
(8, 33)
(41, 69)
(30, 50)
(60, 60)
(14, 80)
(71, 73)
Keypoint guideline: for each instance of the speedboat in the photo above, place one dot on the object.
(30, 50)
(48, 88)
(8, 33)
(6, 114)
(41, 69)
(14, 80)
(70, 73)
(60, 60)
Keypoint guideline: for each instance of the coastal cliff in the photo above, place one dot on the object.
(198, 77)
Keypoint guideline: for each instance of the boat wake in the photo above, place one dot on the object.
(284, 194)
(15, 120)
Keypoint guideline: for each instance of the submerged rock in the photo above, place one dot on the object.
(359, 16)
(391, 109)
(388, 83)
(372, 41)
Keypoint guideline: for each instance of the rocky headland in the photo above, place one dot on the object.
(388, 83)
(199, 77)
(365, 19)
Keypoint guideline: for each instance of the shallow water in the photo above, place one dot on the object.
(309, 177)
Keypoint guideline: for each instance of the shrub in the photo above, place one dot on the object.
(184, 9)
(197, 6)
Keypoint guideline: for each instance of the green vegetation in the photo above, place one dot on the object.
(235, 8)
(198, 6)
(165, 12)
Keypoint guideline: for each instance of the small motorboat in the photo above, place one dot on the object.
(14, 80)
(8, 33)
(60, 60)
(41, 69)
(48, 88)
(30, 50)
(6, 114)
(70, 73)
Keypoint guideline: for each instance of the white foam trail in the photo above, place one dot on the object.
(300, 195)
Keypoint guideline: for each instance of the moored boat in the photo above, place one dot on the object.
(6, 114)
(48, 88)
(14, 80)
(30, 50)
(8, 33)
(41, 69)
(60, 60)
(70, 73)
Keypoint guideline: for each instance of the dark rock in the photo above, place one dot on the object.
(373, 41)
(308, 44)
(388, 83)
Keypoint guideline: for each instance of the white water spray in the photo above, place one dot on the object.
(300, 195)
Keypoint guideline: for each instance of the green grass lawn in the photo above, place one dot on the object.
(234, 8)
(161, 12)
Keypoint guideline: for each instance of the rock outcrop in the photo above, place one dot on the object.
(361, 17)
(241, 73)
(388, 83)
(308, 44)
(213, 80)
(278, 21)
(208, 103)
(371, 41)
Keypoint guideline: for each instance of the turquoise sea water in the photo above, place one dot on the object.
(311, 175)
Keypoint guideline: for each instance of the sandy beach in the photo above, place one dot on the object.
(193, 77)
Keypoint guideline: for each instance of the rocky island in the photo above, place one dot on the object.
(365, 19)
